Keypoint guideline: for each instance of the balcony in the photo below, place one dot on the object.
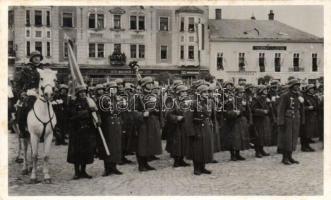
(296, 69)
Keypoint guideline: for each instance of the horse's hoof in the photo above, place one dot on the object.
(34, 181)
(48, 181)
(25, 172)
(19, 160)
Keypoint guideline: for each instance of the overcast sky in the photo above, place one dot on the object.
(306, 18)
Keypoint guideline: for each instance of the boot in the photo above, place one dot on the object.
(196, 168)
(114, 169)
(203, 169)
(147, 166)
(258, 153)
(107, 171)
(141, 166)
(83, 173)
(176, 162)
(263, 152)
(77, 174)
(182, 162)
(291, 159)
(239, 157)
(285, 159)
(233, 157)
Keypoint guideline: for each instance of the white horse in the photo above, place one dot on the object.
(41, 122)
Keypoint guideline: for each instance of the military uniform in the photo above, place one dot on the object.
(290, 117)
(82, 137)
(149, 135)
(201, 138)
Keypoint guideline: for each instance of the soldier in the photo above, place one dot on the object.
(249, 95)
(261, 116)
(213, 98)
(60, 106)
(176, 116)
(236, 135)
(148, 114)
(200, 141)
(111, 126)
(290, 116)
(82, 137)
(27, 80)
(311, 118)
(273, 95)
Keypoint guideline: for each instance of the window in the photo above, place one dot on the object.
(27, 33)
(48, 18)
(277, 62)
(133, 22)
(182, 38)
(182, 24)
(101, 50)
(117, 21)
(100, 21)
(133, 51)
(191, 24)
(48, 52)
(241, 61)
(117, 48)
(67, 20)
(164, 26)
(219, 61)
(191, 52)
(10, 18)
(164, 52)
(38, 17)
(141, 51)
(39, 47)
(182, 52)
(27, 17)
(91, 20)
(262, 62)
(38, 34)
(296, 62)
(48, 34)
(141, 22)
(314, 62)
(91, 49)
(28, 48)
(11, 51)
(65, 50)
(191, 39)
(96, 21)
(96, 50)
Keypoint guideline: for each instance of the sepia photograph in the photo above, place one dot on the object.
(171, 100)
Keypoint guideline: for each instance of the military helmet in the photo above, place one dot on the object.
(63, 86)
(146, 80)
(310, 86)
(293, 82)
(202, 88)
(248, 86)
(226, 83)
(181, 88)
(99, 86)
(240, 89)
(274, 82)
(111, 84)
(129, 86)
(34, 54)
(81, 88)
(119, 81)
(261, 88)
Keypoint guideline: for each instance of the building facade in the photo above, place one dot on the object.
(251, 49)
(106, 39)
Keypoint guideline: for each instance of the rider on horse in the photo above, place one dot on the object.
(27, 80)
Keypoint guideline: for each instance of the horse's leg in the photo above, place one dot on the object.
(34, 146)
(47, 147)
(25, 157)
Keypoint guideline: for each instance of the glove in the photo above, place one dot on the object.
(180, 118)
(146, 114)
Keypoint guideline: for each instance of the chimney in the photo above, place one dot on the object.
(218, 13)
(271, 15)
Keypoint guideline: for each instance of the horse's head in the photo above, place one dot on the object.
(47, 83)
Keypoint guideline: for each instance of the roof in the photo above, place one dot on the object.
(257, 30)
(189, 9)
